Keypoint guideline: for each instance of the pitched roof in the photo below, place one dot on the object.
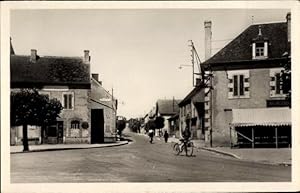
(167, 106)
(189, 97)
(49, 70)
(240, 48)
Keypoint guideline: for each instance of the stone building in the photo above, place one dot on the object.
(167, 108)
(247, 106)
(67, 79)
(192, 113)
(104, 109)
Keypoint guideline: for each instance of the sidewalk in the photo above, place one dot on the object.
(281, 156)
(52, 147)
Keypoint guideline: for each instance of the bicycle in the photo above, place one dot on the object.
(179, 147)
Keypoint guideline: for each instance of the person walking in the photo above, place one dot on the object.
(151, 134)
(166, 136)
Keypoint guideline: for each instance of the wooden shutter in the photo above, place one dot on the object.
(247, 85)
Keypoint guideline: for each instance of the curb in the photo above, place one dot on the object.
(220, 152)
(237, 157)
(71, 148)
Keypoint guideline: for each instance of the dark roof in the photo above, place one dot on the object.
(240, 48)
(49, 70)
(167, 106)
(189, 97)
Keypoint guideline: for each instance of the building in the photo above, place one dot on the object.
(167, 108)
(192, 113)
(247, 106)
(67, 79)
(174, 126)
(103, 112)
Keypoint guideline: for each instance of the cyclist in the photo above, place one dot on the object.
(186, 134)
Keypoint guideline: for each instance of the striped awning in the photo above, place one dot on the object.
(261, 117)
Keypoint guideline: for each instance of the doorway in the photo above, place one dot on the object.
(97, 126)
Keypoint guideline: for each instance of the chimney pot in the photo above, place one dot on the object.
(288, 21)
(33, 55)
(86, 57)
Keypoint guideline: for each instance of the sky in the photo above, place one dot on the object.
(136, 52)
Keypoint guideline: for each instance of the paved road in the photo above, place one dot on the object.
(138, 162)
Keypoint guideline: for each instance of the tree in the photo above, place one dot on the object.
(150, 125)
(134, 124)
(121, 125)
(28, 107)
(160, 123)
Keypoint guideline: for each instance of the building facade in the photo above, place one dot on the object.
(247, 105)
(167, 108)
(192, 113)
(104, 109)
(67, 79)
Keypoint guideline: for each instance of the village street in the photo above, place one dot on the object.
(139, 161)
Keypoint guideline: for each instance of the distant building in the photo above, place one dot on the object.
(67, 79)
(247, 106)
(192, 113)
(174, 126)
(167, 108)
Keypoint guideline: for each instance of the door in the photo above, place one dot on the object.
(60, 131)
(97, 126)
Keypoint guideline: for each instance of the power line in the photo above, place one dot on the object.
(223, 40)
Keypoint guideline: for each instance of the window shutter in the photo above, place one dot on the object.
(65, 101)
(247, 85)
(70, 101)
(230, 86)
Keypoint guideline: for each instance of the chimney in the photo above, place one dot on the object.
(86, 57)
(208, 34)
(33, 55)
(288, 21)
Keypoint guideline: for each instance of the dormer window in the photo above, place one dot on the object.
(259, 49)
(260, 46)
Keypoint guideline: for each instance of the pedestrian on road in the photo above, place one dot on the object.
(166, 136)
(151, 134)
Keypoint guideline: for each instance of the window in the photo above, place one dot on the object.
(238, 85)
(68, 100)
(277, 83)
(259, 49)
(75, 124)
(276, 88)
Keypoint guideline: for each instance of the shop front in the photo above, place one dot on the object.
(262, 127)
